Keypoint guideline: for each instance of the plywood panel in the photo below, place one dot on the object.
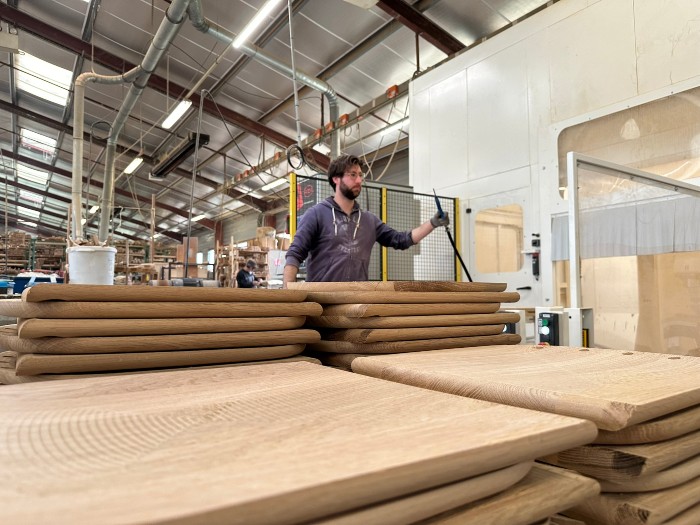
(128, 310)
(412, 297)
(160, 343)
(411, 321)
(659, 429)
(544, 491)
(376, 335)
(394, 347)
(228, 442)
(614, 389)
(100, 293)
(386, 310)
(398, 286)
(670, 477)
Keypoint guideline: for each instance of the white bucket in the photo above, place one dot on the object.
(91, 264)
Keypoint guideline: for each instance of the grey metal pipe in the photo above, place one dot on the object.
(205, 26)
(169, 27)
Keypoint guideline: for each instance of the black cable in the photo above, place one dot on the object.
(292, 150)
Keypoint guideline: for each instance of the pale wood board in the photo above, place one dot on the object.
(435, 501)
(422, 345)
(544, 491)
(397, 286)
(613, 388)
(340, 361)
(690, 516)
(563, 520)
(8, 359)
(153, 343)
(641, 508)
(659, 429)
(379, 335)
(628, 462)
(10, 377)
(412, 297)
(128, 310)
(105, 293)
(35, 364)
(385, 310)
(411, 321)
(226, 444)
(35, 328)
(670, 477)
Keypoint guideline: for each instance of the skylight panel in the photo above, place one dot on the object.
(36, 141)
(28, 195)
(42, 78)
(27, 212)
(31, 174)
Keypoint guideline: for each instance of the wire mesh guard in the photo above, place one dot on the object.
(432, 259)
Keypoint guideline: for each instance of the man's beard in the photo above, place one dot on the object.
(348, 192)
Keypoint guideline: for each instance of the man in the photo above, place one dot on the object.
(338, 237)
(245, 277)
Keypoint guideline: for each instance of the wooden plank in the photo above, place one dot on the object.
(394, 347)
(156, 343)
(659, 429)
(378, 335)
(34, 328)
(398, 286)
(384, 310)
(411, 297)
(8, 359)
(641, 508)
(544, 491)
(411, 321)
(627, 462)
(428, 503)
(104, 293)
(613, 388)
(690, 516)
(127, 310)
(35, 364)
(229, 441)
(670, 477)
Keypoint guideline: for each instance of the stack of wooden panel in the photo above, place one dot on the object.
(647, 406)
(406, 316)
(84, 328)
(279, 443)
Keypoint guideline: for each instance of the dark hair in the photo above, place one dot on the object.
(339, 166)
(250, 263)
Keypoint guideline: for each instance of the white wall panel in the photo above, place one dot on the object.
(498, 114)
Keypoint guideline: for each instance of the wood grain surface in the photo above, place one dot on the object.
(226, 444)
(8, 359)
(421, 345)
(34, 328)
(659, 429)
(156, 343)
(412, 297)
(398, 286)
(626, 462)
(35, 364)
(544, 491)
(378, 335)
(385, 310)
(431, 502)
(613, 388)
(411, 321)
(641, 508)
(158, 294)
(136, 310)
(690, 516)
(670, 477)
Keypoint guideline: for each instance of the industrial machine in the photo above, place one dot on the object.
(558, 326)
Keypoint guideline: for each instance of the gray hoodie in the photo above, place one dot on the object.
(339, 246)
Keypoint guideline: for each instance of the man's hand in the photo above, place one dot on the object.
(437, 220)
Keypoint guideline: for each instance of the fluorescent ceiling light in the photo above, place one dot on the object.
(28, 195)
(322, 148)
(133, 165)
(397, 125)
(28, 223)
(176, 114)
(83, 221)
(257, 20)
(36, 141)
(43, 79)
(26, 211)
(274, 184)
(199, 217)
(38, 176)
(94, 209)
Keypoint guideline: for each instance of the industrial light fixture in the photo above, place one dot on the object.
(133, 165)
(176, 114)
(256, 21)
(322, 148)
(199, 217)
(178, 156)
(94, 209)
(397, 125)
(274, 184)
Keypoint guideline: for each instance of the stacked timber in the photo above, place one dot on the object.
(250, 445)
(646, 405)
(65, 329)
(407, 316)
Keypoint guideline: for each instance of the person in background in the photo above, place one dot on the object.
(245, 276)
(337, 236)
